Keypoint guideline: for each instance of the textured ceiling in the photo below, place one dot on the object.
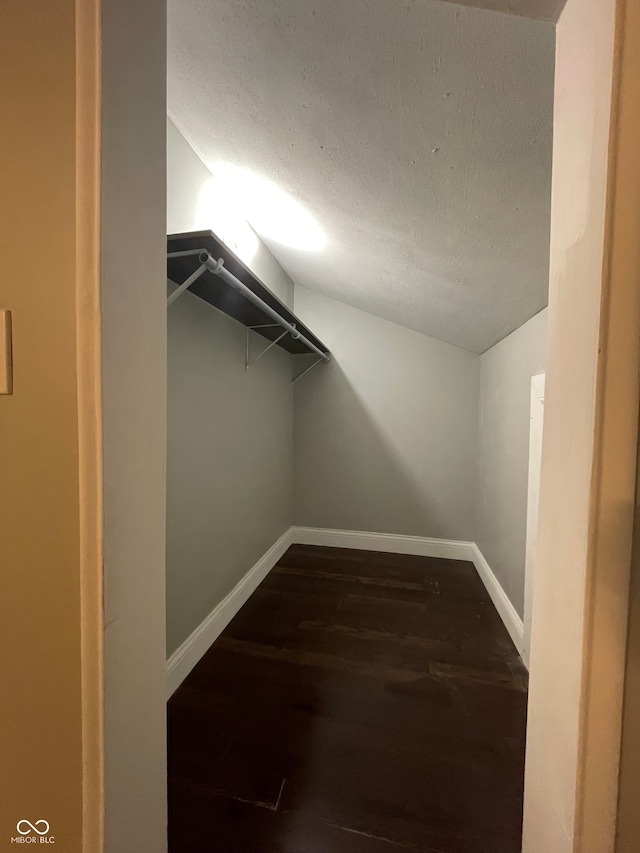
(418, 133)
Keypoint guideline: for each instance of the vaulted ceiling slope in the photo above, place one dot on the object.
(416, 132)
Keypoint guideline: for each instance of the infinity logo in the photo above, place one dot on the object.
(32, 827)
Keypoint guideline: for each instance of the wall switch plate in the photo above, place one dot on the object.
(6, 366)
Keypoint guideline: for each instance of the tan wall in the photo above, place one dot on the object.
(628, 218)
(628, 830)
(46, 461)
(588, 464)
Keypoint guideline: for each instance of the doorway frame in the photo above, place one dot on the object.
(579, 630)
(536, 420)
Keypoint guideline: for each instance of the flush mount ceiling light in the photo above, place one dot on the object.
(273, 213)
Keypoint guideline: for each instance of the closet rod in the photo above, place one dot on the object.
(217, 268)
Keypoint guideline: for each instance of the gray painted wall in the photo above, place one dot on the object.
(385, 434)
(230, 433)
(503, 451)
(229, 463)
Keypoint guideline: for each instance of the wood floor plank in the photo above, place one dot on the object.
(204, 822)
(361, 702)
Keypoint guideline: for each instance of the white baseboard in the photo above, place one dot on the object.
(422, 547)
(183, 660)
(501, 601)
(419, 546)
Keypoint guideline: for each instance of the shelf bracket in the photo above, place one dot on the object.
(247, 361)
(307, 369)
(186, 284)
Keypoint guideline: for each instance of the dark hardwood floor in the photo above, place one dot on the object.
(359, 703)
